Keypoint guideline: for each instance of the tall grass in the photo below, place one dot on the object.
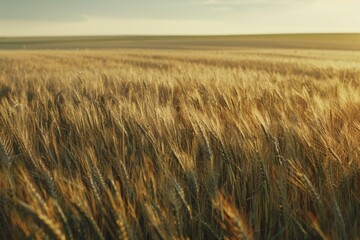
(180, 145)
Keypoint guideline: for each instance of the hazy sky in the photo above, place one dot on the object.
(108, 17)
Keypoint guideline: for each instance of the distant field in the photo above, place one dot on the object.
(301, 41)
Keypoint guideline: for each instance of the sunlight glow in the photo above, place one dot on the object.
(198, 17)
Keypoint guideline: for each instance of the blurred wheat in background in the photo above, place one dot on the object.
(169, 144)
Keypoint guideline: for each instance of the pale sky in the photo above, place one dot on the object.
(176, 17)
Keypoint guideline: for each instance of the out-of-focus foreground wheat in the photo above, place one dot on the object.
(252, 144)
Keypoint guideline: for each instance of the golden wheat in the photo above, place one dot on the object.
(155, 144)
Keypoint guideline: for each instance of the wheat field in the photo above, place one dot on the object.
(180, 144)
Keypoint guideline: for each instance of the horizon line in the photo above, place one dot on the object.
(182, 35)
